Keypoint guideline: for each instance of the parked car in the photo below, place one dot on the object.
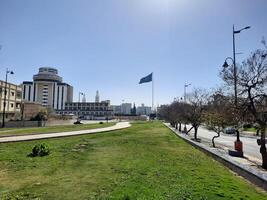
(77, 122)
(229, 130)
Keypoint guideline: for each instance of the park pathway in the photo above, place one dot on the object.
(118, 126)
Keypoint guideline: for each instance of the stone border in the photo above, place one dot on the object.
(248, 172)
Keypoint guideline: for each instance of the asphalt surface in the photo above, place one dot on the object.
(250, 146)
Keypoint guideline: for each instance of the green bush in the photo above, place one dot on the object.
(41, 116)
(101, 122)
(40, 150)
(126, 197)
(19, 196)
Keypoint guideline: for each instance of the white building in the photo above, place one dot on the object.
(116, 109)
(126, 108)
(123, 109)
(143, 110)
(48, 89)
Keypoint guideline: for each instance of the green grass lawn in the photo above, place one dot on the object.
(145, 161)
(52, 129)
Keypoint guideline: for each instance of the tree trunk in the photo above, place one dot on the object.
(237, 135)
(176, 125)
(263, 148)
(180, 127)
(258, 132)
(216, 136)
(185, 129)
(189, 130)
(195, 133)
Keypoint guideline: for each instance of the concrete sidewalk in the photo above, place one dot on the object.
(118, 126)
(241, 166)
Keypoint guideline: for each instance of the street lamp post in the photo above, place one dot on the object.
(80, 93)
(185, 86)
(107, 114)
(122, 101)
(235, 75)
(238, 143)
(5, 93)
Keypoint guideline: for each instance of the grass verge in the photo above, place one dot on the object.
(145, 161)
(53, 129)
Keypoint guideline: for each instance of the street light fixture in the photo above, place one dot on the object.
(185, 86)
(225, 64)
(247, 27)
(5, 93)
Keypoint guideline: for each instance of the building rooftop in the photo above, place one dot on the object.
(47, 74)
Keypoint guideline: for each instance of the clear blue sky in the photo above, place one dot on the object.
(110, 44)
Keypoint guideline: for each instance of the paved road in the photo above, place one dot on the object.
(250, 146)
(118, 126)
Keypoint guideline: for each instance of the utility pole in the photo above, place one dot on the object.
(5, 93)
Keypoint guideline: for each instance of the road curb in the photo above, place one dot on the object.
(248, 172)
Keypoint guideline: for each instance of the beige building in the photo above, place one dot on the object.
(13, 100)
(31, 109)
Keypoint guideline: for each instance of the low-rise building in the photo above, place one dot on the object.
(12, 101)
(89, 110)
(30, 109)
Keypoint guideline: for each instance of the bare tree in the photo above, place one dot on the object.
(252, 84)
(175, 113)
(164, 113)
(197, 102)
(219, 113)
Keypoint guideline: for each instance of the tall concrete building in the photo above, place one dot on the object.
(48, 89)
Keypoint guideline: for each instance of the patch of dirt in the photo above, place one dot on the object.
(81, 147)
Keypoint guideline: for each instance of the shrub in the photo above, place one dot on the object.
(247, 126)
(40, 150)
(19, 196)
(41, 116)
(126, 197)
(101, 122)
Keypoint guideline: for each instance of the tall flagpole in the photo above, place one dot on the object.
(152, 92)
